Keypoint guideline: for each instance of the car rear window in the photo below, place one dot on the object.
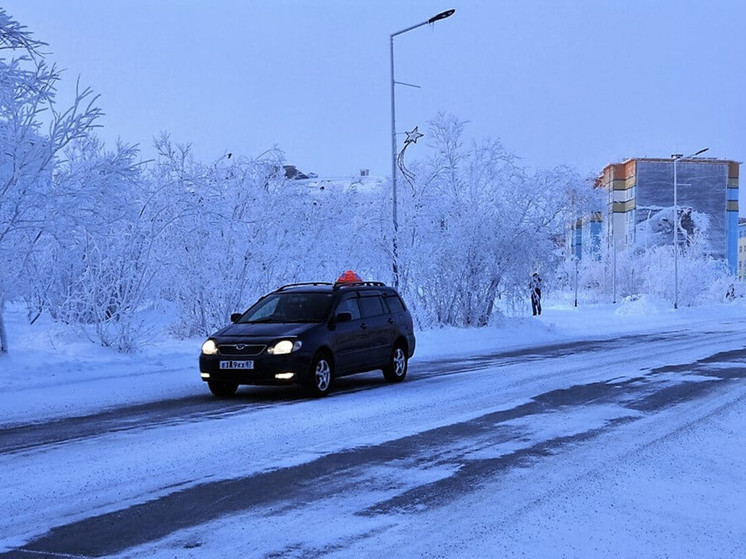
(394, 304)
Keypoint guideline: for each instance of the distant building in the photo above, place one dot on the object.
(293, 173)
(584, 236)
(640, 203)
(741, 249)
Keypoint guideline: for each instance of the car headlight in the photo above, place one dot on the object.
(210, 347)
(284, 346)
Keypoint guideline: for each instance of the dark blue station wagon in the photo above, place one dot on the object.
(310, 334)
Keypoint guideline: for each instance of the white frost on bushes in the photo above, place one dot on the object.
(645, 274)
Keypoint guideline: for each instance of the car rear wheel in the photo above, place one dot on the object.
(397, 366)
(322, 375)
(222, 389)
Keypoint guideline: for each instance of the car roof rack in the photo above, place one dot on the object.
(303, 284)
(339, 284)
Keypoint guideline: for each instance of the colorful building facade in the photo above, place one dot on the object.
(742, 249)
(640, 206)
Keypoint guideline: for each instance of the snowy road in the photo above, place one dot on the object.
(577, 449)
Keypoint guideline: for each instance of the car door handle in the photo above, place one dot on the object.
(364, 326)
(390, 320)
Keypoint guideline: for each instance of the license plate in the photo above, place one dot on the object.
(236, 364)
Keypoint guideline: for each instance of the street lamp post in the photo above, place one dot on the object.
(576, 261)
(395, 266)
(676, 157)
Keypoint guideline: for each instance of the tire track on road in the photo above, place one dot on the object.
(37, 435)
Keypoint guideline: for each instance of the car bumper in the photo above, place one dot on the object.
(267, 369)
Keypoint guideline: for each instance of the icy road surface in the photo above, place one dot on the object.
(630, 446)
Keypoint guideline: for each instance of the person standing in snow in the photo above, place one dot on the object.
(535, 287)
(731, 294)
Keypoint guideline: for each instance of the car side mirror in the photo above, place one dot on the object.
(343, 317)
(235, 316)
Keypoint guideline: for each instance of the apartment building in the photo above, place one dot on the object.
(640, 206)
(741, 248)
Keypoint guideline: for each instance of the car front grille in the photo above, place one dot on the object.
(240, 349)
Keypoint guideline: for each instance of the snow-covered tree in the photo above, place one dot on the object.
(96, 267)
(475, 225)
(33, 131)
(245, 229)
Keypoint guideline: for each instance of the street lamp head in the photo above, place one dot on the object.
(700, 152)
(677, 155)
(441, 15)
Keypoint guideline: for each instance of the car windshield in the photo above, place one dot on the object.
(289, 307)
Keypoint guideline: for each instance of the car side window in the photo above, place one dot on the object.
(394, 303)
(371, 306)
(349, 304)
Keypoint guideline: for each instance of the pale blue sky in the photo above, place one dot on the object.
(582, 82)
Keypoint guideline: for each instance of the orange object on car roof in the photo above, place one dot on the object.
(349, 277)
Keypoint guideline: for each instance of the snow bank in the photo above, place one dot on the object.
(642, 305)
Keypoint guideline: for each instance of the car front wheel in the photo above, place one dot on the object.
(322, 375)
(222, 389)
(396, 369)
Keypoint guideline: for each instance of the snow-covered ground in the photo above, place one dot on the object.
(658, 486)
